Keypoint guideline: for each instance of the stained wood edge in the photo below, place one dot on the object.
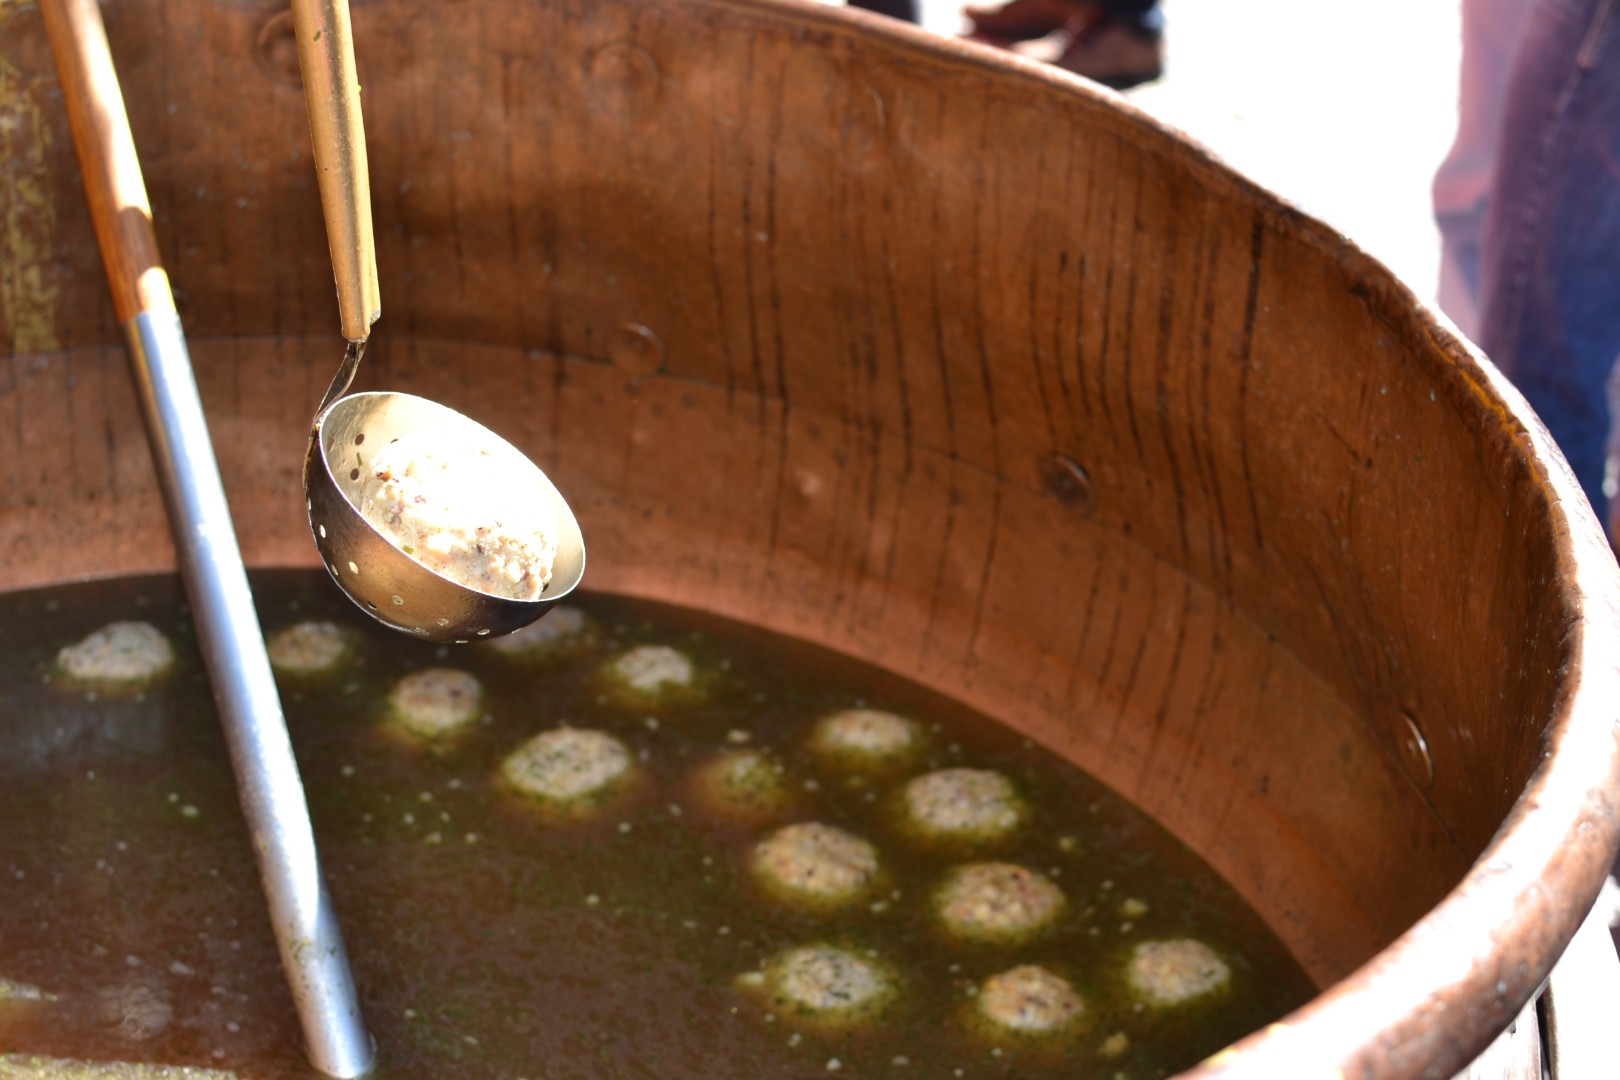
(1535, 882)
(1537, 879)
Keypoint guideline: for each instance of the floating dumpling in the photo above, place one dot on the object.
(967, 805)
(128, 653)
(865, 739)
(434, 703)
(1029, 1000)
(569, 769)
(824, 985)
(650, 673)
(309, 648)
(741, 786)
(560, 630)
(1000, 903)
(815, 864)
(1168, 973)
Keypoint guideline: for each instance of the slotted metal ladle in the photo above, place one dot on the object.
(379, 576)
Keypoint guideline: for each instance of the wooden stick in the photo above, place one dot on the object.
(337, 136)
(112, 173)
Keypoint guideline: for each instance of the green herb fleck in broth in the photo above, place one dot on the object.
(488, 935)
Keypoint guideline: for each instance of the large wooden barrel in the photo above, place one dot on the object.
(925, 354)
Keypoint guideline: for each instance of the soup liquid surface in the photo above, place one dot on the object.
(490, 939)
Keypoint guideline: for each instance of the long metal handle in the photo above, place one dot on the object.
(268, 784)
(338, 136)
(267, 780)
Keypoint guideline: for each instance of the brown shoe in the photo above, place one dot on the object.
(1027, 20)
(1115, 54)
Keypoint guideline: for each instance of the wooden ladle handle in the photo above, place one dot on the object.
(338, 137)
(113, 185)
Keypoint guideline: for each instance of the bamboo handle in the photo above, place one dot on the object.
(338, 137)
(113, 185)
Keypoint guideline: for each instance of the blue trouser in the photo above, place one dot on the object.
(1550, 273)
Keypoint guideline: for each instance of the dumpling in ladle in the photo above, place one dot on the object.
(450, 506)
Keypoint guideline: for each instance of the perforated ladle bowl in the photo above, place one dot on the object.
(390, 585)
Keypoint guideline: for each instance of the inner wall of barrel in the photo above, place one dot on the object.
(811, 327)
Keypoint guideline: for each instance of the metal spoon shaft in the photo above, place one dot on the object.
(345, 375)
(271, 792)
(267, 780)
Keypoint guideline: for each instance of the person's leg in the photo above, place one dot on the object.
(1122, 47)
(895, 9)
(1551, 248)
(1118, 43)
(1611, 458)
(1491, 31)
(1135, 12)
(1027, 20)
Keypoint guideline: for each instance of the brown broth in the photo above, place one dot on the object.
(490, 942)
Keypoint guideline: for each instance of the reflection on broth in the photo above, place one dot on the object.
(779, 864)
